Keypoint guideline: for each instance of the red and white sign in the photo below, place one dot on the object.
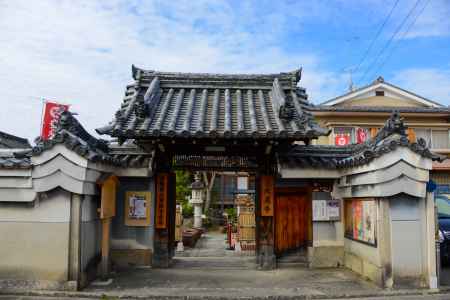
(52, 113)
(342, 139)
(361, 135)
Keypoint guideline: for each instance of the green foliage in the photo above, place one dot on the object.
(188, 209)
(183, 187)
(232, 214)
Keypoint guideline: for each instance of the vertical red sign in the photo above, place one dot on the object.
(52, 113)
(361, 135)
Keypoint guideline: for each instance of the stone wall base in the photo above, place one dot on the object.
(363, 267)
(28, 285)
(126, 258)
(326, 256)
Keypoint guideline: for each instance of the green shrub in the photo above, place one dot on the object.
(188, 209)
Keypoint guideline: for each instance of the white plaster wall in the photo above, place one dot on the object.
(35, 240)
(407, 236)
(91, 233)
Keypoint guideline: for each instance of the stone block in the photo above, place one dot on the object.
(126, 258)
(327, 257)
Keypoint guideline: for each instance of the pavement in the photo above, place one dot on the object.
(199, 276)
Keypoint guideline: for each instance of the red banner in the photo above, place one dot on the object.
(361, 135)
(52, 113)
(342, 140)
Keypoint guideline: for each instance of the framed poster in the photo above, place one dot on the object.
(137, 208)
(361, 220)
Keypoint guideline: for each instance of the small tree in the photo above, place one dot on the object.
(183, 190)
(208, 179)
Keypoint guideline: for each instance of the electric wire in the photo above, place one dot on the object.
(389, 41)
(376, 37)
(403, 35)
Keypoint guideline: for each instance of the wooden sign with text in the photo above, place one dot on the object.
(267, 196)
(162, 181)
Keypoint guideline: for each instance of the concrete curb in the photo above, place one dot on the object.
(99, 295)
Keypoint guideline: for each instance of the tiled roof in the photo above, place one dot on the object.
(314, 156)
(385, 109)
(14, 163)
(72, 135)
(374, 83)
(389, 138)
(162, 104)
(9, 141)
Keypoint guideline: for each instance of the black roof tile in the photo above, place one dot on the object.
(389, 138)
(163, 104)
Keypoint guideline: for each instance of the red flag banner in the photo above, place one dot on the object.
(361, 135)
(52, 113)
(342, 140)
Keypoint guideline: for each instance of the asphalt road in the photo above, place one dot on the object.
(409, 297)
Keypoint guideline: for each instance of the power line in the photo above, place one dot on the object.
(403, 35)
(389, 41)
(376, 36)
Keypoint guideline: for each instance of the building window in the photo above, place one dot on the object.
(379, 93)
(361, 220)
(350, 135)
(434, 138)
(424, 134)
(343, 136)
(439, 139)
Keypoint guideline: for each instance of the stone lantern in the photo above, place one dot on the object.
(197, 200)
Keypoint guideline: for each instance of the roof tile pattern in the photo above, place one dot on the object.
(214, 106)
(73, 136)
(9, 141)
(389, 138)
(15, 163)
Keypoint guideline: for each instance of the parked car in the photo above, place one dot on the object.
(444, 239)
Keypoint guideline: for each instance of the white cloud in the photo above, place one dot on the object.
(80, 52)
(431, 83)
(434, 21)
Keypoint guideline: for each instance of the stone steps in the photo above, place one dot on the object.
(215, 263)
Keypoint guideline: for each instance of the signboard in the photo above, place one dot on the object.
(137, 208)
(52, 114)
(267, 195)
(108, 197)
(342, 139)
(326, 210)
(162, 181)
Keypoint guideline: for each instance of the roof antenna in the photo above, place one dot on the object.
(351, 85)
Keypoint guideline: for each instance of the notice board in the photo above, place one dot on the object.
(327, 210)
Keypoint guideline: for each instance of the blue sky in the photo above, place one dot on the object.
(80, 52)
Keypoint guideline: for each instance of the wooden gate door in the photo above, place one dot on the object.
(292, 222)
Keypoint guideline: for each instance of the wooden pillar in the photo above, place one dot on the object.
(75, 239)
(106, 237)
(266, 258)
(107, 211)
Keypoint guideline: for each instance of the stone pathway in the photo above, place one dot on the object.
(211, 244)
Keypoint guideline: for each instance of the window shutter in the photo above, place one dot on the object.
(373, 132)
(411, 135)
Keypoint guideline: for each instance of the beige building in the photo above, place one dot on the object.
(358, 115)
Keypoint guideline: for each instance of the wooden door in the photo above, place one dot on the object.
(292, 222)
